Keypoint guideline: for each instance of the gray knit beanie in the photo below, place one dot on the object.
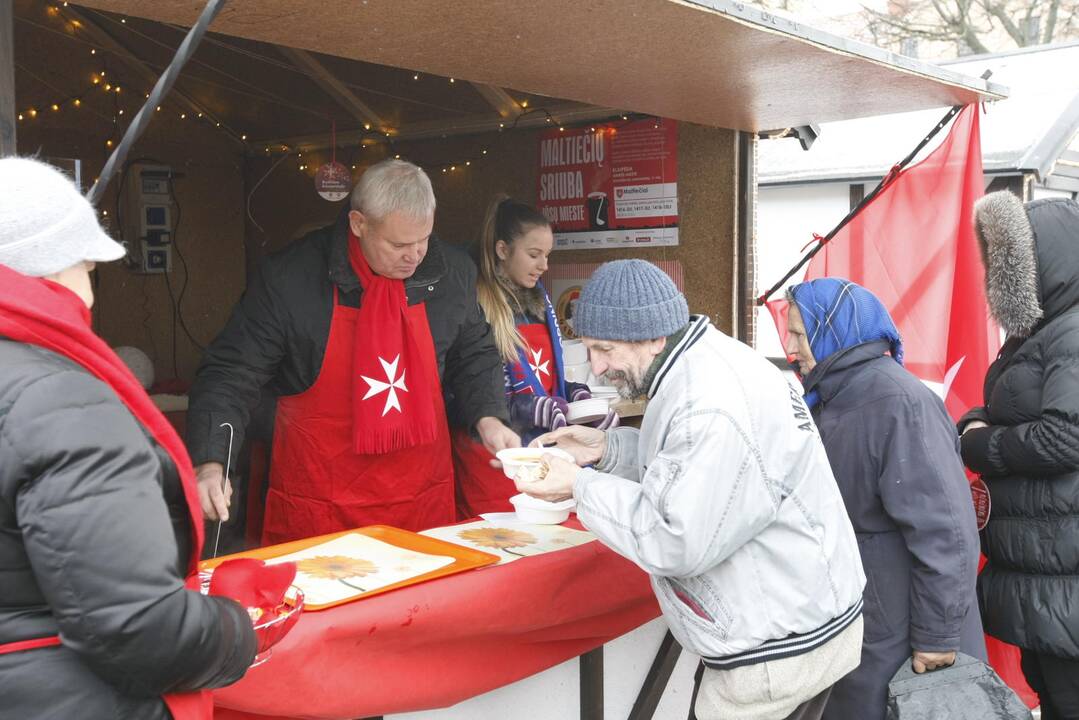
(629, 300)
(46, 225)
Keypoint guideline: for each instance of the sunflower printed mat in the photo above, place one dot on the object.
(354, 564)
(511, 541)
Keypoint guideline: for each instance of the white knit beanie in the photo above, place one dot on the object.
(46, 225)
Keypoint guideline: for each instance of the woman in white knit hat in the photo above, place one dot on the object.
(100, 526)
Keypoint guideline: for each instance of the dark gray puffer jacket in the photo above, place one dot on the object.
(94, 544)
(1029, 454)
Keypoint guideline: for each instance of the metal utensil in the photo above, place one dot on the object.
(224, 483)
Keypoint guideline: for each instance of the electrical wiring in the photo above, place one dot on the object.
(187, 273)
(261, 180)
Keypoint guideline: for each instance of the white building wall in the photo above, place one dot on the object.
(787, 217)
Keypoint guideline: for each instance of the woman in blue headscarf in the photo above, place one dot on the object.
(895, 456)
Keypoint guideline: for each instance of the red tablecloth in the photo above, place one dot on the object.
(438, 643)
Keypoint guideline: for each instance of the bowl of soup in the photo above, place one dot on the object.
(540, 512)
(527, 461)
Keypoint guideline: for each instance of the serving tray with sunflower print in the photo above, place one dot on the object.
(355, 564)
(511, 541)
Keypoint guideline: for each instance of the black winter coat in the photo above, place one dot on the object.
(895, 456)
(277, 335)
(1029, 454)
(94, 545)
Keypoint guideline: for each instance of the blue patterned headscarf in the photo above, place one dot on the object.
(839, 314)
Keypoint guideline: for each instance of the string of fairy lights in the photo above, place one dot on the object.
(460, 164)
(103, 82)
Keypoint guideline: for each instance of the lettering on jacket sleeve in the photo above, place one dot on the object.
(801, 412)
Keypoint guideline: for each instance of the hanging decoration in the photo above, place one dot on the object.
(333, 181)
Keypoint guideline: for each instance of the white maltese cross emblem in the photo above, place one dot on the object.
(537, 366)
(390, 387)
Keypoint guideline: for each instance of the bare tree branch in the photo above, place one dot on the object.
(997, 10)
(1051, 21)
(970, 37)
(982, 26)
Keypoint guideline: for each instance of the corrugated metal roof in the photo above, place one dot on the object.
(1027, 131)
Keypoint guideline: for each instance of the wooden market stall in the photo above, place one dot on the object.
(277, 73)
(467, 90)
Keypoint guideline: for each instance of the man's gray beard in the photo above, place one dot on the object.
(631, 388)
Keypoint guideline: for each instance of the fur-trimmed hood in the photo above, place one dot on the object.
(1031, 258)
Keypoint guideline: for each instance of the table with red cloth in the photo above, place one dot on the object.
(437, 643)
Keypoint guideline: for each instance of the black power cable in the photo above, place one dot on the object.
(174, 313)
(187, 272)
(176, 301)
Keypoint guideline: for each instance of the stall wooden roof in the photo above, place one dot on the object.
(713, 62)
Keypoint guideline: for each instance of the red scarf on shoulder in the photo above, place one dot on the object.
(394, 365)
(40, 312)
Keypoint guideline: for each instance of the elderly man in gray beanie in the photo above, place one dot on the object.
(724, 496)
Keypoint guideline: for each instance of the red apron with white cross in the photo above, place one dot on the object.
(319, 484)
(540, 353)
(480, 487)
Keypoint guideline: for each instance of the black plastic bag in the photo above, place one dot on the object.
(968, 690)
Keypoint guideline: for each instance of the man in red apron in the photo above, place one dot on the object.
(362, 330)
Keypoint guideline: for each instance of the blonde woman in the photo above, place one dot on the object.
(512, 255)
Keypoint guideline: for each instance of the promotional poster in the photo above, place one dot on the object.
(610, 185)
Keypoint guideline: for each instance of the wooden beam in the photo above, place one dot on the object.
(7, 79)
(745, 259)
(96, 33)
(644, 708)
(697, 677)
(591, 674)
(333, 87)
(499, 99)
(469, 125)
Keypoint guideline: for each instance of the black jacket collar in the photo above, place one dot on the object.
(828, 376)
(430, 271)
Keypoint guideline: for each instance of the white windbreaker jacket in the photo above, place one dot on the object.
(725, 497)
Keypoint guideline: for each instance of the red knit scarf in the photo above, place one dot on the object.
(392, 392)
(40, 312)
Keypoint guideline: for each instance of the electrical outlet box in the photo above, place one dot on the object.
(158, 238)
(146, 211)
(155, 219)
(156, 259)
(154, 182)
